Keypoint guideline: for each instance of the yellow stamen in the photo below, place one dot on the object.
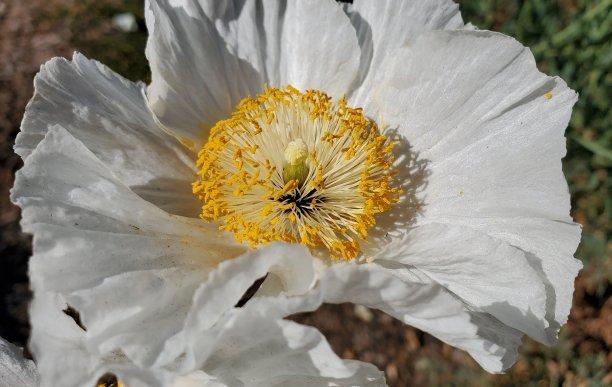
(296, 167)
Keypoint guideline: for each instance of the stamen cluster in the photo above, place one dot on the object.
(327, 199)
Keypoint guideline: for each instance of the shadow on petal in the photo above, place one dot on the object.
(412, 179)
(171, 195)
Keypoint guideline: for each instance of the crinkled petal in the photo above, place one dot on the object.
(490, 127)
(486, 273)
(196, 80)
(15, 369)
(428, 306)
(248, 350)
(65, 358)
(206, 56)
(128, 267)
(291, 265)
(412, 297)
(385, 25)
(110, 116)
(252, 351)
(308, 44)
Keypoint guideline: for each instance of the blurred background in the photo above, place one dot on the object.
(569, 38)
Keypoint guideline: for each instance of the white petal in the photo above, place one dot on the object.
(109, 115)
(490, 128)
(255, 351)
(427, 306)
(485, 273)
(196, 81)
(129, 268)
(464, 287)
(308, 44)
(15, 370)
(412, 297)
(292, 265)
(197, 379)
(207, 56)
(248, 350)
(63, 355)
(385, 25)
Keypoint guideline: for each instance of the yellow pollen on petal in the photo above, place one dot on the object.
(296, 167)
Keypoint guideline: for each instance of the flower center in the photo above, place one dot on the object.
(296, 167)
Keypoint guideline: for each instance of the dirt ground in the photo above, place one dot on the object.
(32, 31)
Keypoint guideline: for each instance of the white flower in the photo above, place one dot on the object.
(240, 350)
(462, 229)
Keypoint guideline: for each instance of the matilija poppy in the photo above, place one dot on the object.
(401, 159)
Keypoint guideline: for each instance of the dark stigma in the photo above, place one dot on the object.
(304, 203)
